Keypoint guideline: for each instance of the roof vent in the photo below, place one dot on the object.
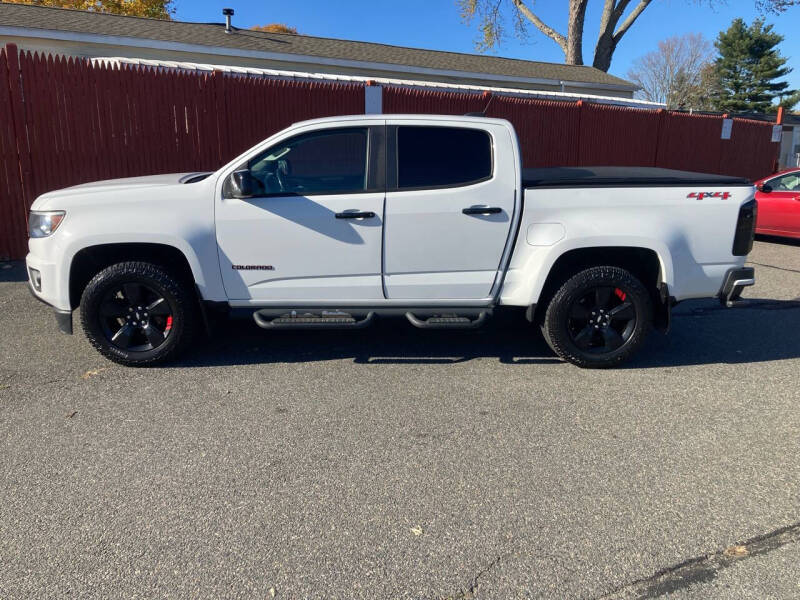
(228, 12)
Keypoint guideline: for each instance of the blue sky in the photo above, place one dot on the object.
(435, 24)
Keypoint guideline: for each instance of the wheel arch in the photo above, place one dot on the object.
(647, 264)
(89, 261)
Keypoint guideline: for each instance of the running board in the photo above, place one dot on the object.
(292, 320)
(448, 321)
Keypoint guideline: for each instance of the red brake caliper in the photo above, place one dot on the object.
(620, 294)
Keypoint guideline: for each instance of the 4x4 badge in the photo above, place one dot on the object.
(701, 195)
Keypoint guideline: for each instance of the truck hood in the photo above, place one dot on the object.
(114, 186)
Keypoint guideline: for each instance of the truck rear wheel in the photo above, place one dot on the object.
(598, 318)
(138, 313)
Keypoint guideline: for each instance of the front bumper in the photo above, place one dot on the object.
(50, 289)
(735, 281)
(63, 317)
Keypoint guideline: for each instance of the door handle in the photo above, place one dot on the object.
(355, 214)
(482, 210)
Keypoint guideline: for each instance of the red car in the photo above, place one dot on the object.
(779, 204)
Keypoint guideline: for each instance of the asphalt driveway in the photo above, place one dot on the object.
(398, 463)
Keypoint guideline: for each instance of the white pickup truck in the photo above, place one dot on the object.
(335, 222)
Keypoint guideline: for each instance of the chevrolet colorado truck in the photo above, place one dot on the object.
(335, 222)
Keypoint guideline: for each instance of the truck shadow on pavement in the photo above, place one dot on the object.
(388, 341)
(703, 332)
(13, 271)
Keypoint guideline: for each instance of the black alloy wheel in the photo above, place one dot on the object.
(598, 317)
(138, 313)
(135, 317)
(601, 320)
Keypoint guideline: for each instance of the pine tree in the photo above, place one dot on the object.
(749, 67)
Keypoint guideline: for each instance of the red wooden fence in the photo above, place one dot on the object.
(65, 121)
(579, 133)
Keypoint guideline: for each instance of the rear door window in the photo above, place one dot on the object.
(435, 157)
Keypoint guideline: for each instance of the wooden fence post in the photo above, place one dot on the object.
(20, 125)
(19, 206)
(580, 132)
(662, 117)
(220, 117)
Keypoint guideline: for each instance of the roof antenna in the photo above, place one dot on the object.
(486, 94)
(228, 12)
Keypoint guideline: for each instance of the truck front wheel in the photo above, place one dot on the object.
(138, 313)
(598, 318)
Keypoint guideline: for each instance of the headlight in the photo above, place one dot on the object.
(42, 224)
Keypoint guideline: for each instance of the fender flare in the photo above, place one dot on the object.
(558, 251)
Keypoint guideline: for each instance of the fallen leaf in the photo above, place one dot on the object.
(72, 414)
(417, 530)
(92, 373)
(736, 551)
(272, 592)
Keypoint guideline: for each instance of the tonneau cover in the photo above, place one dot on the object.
(622, 177)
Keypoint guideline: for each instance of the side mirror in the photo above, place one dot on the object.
(764, 187)
(242, 184)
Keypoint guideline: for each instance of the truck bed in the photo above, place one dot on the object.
(560, 177)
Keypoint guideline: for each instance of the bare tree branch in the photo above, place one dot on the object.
(540, 25)
(620, 9)
(608, 8)
(612, 11)
(677, 73)
(626, 24)
(606, 42)
(577, 14)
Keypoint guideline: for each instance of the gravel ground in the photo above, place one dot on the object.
(397, 463)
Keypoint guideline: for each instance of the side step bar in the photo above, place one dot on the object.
(270, 318)
(448, 321)
(309, 321)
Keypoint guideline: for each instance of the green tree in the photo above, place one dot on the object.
(749, 68)
(155, 9)
(788, 102)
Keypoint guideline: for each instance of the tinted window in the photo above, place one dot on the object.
(442, 156)
(321, 162)
(786, 183)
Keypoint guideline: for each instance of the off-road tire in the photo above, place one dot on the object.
(182, 300)
(556, 319)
